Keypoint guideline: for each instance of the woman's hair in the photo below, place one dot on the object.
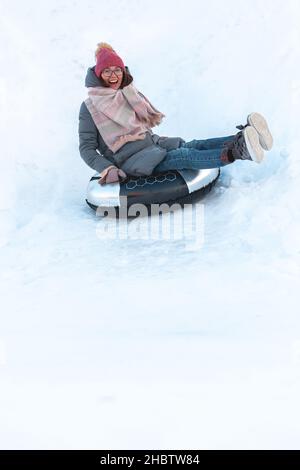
(127, 79)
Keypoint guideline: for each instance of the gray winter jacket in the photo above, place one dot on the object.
(135, 158)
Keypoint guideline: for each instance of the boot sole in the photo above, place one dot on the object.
(253, 144)
(259, 123)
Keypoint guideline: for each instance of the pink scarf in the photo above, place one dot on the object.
(121, 115)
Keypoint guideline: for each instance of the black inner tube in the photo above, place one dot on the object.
(155, 189)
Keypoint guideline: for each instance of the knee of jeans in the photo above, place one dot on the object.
(189, 144)
(187, 152)
(175, 153)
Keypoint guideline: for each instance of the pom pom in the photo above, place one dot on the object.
(103, 45)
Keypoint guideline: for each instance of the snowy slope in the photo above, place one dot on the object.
(129, 342)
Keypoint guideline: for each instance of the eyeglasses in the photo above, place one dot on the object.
(108, 72)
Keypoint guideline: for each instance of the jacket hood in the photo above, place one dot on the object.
(91, 79)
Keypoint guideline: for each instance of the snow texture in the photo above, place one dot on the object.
(128, 342)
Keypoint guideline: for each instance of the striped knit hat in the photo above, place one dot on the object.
(106, 57)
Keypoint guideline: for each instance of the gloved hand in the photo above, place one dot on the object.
(170, 143)
(112, 174)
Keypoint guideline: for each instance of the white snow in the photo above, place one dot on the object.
(130, 342)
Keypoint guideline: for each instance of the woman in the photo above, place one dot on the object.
(116, 139)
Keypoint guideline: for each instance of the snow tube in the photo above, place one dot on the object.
(169, 187)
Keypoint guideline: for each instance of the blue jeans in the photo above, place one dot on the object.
(195, 155)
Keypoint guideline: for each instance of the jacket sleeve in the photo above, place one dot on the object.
(88, 142)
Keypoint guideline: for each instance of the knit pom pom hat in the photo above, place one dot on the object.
(106, 57)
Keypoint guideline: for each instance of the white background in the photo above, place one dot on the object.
(149, 343)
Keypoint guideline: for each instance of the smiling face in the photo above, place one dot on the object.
(112, 76)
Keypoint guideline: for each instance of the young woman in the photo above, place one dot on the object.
(115, 130)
